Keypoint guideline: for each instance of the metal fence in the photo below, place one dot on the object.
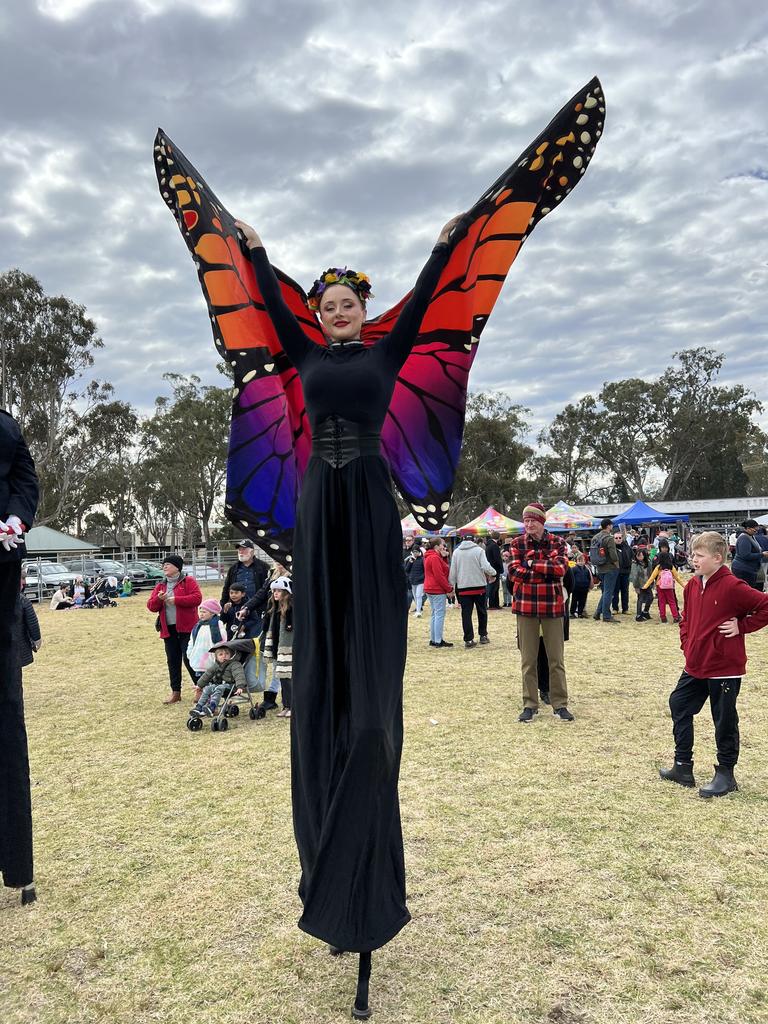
(206, 565)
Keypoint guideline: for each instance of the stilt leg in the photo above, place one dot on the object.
(361, 1010)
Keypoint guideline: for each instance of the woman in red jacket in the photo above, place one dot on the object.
(176, 599)
(437, 588)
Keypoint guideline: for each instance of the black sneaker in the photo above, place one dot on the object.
(433, 644)
(563, 715)
(527, 715)
(443, 643)
(209, 710)
(484, 640)
(469, 643)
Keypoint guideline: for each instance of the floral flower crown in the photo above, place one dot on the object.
(359, 283)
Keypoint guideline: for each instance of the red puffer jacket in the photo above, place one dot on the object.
(436, 574)
(186, 596)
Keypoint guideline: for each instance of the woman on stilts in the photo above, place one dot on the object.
(329, 409)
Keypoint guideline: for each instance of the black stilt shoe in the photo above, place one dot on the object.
(361, 1010)
(28, 895)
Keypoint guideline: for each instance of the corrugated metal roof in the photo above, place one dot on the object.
(740, 506)
(43, 538)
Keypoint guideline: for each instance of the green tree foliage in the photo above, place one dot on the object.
(492, 454)
(682, 435)
(184, 448)
(46, 345)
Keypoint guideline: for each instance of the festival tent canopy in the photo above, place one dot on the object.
(642, 513)
(563, 516)
(491, 520)
(411, 528)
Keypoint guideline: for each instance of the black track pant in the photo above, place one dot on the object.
(468, 602)
(579, 601)
(688, 698)
(15, 804)
(176, 655)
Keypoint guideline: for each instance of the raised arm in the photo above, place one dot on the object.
(296, 344)
(400, 340)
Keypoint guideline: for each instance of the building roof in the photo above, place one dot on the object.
(44, 539)
(742, 506)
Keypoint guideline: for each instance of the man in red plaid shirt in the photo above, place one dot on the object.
(537, 565)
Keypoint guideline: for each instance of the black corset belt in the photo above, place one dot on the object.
(339, 441)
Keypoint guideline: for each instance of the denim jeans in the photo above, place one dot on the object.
(438, 602)
(609, 585)
(261, 681)
(417, 590)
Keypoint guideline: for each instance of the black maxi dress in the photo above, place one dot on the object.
(350, 630)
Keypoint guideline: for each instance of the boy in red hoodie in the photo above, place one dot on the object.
(719, 610)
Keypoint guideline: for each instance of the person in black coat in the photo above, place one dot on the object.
(28, 636)
(493, 554)
(248, 570)
(624, 551)
(18, 504)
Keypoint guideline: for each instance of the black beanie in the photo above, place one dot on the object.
(176, 560)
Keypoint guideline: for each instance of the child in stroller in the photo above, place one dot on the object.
(100, 595)
(224, 681)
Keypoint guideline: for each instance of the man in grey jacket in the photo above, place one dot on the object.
(469, 574)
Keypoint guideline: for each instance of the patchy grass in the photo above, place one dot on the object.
(552, 877)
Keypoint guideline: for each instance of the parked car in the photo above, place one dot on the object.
(51, 573)
(95, 567)
(153, 571)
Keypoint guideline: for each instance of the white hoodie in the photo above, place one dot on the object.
(469, 567)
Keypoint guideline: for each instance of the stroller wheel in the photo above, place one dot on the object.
(194, 724)
(253, 714)
(234, 711)
(223, 725)
(215, 725)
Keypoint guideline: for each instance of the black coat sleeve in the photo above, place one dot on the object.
(20, 486)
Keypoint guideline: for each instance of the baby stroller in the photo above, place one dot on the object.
(100, 595)
(231, 702)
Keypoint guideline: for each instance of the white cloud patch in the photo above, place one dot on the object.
(355, 138)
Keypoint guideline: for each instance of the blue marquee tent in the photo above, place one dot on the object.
(642, 513)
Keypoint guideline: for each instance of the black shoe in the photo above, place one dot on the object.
(484, 640)
(612, 622)
(596, 618)
(443, 643)
(647, 616)
(563, 715)
(722, 782)
(267, 705)
(469, 643)
(527, 715)
(28, 895)
(433, 644)
(680, 773)
(544, 697)
(639, 618)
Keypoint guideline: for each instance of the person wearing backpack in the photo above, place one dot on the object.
(666, 574)
(605, 559)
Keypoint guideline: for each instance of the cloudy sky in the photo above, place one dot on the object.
(349, 133)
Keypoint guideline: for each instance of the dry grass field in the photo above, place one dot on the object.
(553, 878)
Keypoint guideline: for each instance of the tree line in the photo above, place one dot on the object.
(107, 471)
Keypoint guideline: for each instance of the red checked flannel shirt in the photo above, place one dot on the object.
(537, 589)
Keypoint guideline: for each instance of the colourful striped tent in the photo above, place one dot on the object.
(490, 521)
(563, 516)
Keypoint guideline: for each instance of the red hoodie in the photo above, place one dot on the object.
(436, 574)
(709, 654)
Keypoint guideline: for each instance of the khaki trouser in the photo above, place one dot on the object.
(528, 631)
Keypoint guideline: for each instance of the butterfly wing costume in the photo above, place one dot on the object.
(318, 434)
